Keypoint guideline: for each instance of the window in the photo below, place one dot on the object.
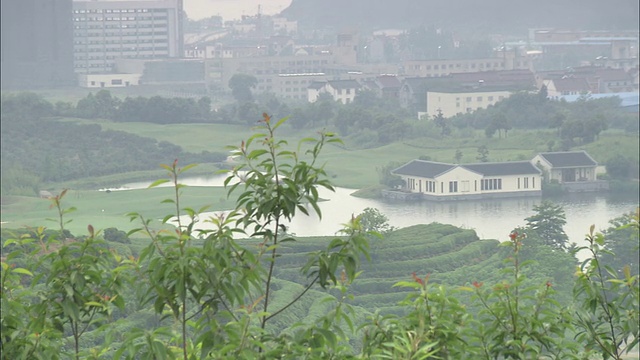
(435, 67)
(453, 186)
(348, 91)
(479, 98)
(468, 98)
(526, 183)
(490, 184)
(533, 182)
(490, 98)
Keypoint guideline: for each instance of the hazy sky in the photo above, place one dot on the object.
(232, 9)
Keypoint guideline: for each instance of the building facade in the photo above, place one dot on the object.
(442, 181)
(106, 30)
(344, 91)
(453, 103)
(509, 60)
(575, 171)
(36, 44)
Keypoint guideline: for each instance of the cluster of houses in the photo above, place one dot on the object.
(294, 68)
(575, 171)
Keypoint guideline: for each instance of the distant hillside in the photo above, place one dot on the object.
(513, 16)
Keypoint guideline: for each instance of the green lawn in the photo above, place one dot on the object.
(102, 209)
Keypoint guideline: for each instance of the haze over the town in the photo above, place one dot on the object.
(232, 9)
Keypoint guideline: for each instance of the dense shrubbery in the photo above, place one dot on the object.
(212, 296)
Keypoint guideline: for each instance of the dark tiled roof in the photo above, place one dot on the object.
(571, 84)
(504, 168)
(416, 82)
(344, 84)
(569, 159)
(428, 169)
(387, 81)
(431, 169)
(316, 85)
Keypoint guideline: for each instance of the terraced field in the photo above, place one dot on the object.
(448, 253)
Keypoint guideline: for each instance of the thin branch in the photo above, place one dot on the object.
(295, 299)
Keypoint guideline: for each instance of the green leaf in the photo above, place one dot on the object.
(187, 167)
(157, 183)
(22, 271)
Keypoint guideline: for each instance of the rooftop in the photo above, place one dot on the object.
(431, 169)
(569, 159)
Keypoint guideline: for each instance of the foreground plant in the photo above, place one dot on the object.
(608, 300)
(217, 289)
(518, 319)
(75, 285)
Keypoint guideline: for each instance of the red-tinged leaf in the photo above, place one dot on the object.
(90, 229)
(157, 183)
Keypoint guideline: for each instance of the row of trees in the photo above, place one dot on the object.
(218, 296)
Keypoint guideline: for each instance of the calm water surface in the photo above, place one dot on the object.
(491, 219)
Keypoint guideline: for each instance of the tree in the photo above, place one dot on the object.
(548, 222)
(618, 167)
(499, 122)
(115, 235)
(241, 85)
(543, 94)
(442, 123)
(458, 156)
(483, 154)
(371, 219)
(387, 178)
(556, 122)
(623, 240)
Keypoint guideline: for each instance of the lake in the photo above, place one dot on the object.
(491, 219)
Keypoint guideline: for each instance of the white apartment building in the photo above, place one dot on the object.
(452, 103)
(504, 60)
(105, 30)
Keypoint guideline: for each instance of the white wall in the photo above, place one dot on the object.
(470, 183)
(108, 80)
(460, 175)
(453, 103)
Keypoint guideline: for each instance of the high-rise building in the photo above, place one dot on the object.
(36, 44)
(106, 30)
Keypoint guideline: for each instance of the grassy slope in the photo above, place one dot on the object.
(356, 168)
